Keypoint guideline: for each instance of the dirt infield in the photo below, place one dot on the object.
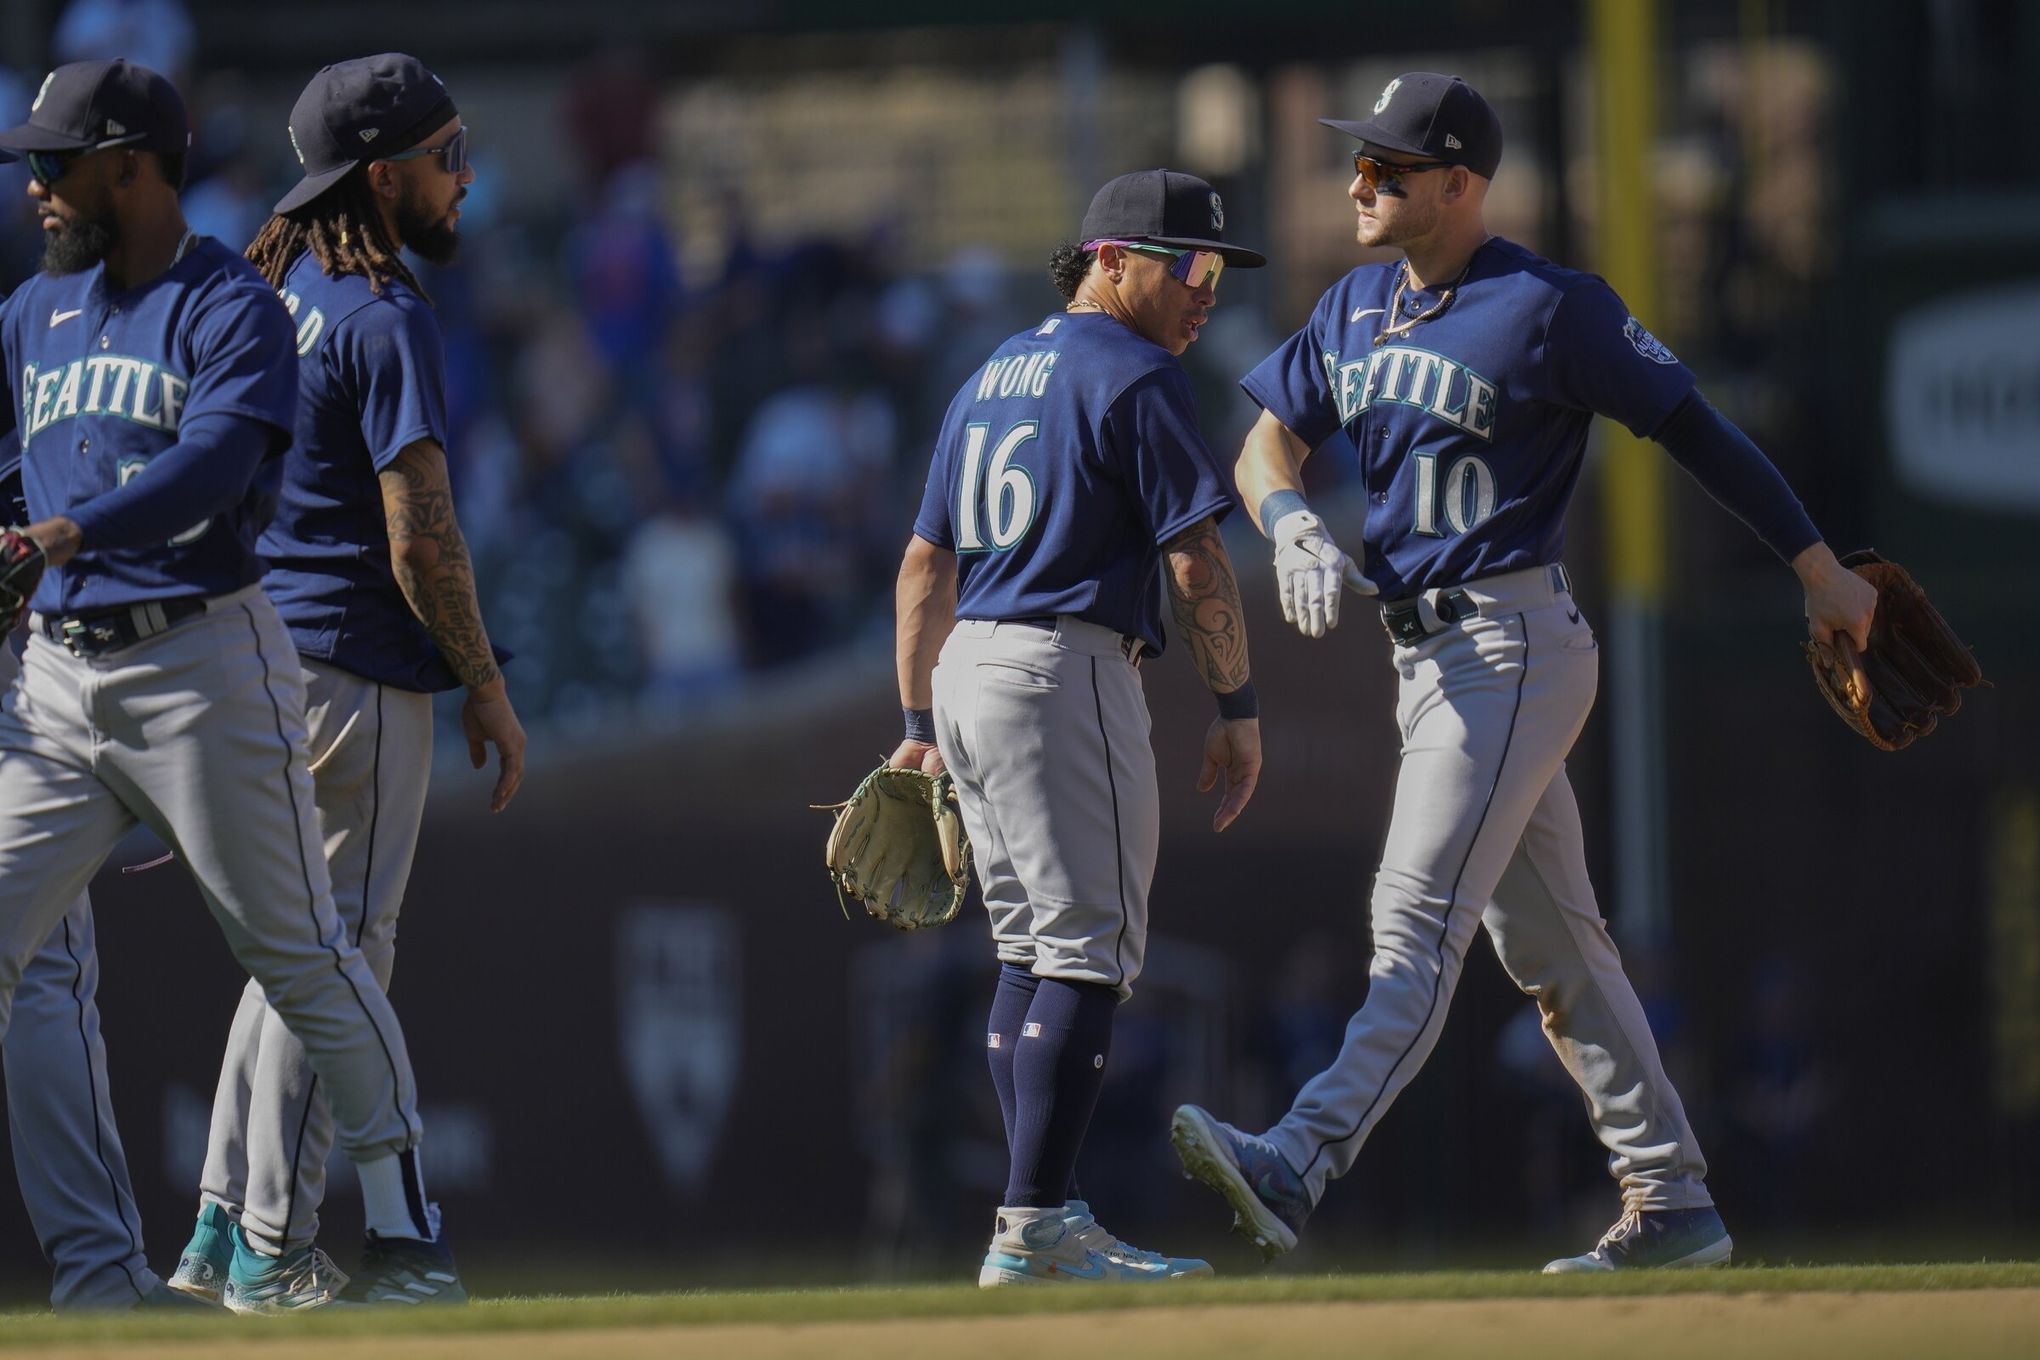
(1984, 1323)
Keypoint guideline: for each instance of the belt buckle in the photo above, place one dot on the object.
(78, 636)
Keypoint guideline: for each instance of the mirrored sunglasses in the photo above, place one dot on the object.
(47, 167)
(455, 152)
(1385, 177)
(1194, 267)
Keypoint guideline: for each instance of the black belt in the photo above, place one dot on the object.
(1130, 646)
(1406, 624)
(109, 630)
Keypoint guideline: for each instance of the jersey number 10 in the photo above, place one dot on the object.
(997, 499)
(1469, 494)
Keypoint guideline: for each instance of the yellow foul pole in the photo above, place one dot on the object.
(1623, 34)
(1624, 37)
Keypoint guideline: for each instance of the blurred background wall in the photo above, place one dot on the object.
(724, 267)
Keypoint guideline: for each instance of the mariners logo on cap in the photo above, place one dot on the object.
(1387, 94)
(294, 146)
(1217, 212)
(43, 91)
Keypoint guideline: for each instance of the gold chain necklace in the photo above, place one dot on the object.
(1429, 313)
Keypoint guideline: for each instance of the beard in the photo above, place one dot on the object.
(78, 244)
(432, 239)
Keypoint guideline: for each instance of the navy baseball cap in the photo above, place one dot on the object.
(1168, 208)
(1443, 118)
(356, 111)
(89, 105)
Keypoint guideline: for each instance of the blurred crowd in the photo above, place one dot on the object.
(669, 482)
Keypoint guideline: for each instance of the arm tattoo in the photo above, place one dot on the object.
(430, 558)
(1205, 597)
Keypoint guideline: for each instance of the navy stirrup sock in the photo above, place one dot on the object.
(1002, 1034)
(1057, 1071)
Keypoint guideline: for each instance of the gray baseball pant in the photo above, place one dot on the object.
(199, 734)
(272, 1127)
(1485, 829)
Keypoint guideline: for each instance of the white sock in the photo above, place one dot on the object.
(393, 1196)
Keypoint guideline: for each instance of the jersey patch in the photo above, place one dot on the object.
(1648, 345)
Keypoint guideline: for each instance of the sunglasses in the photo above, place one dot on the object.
(1385, 177)
(455, 152)
(47, 167)
(1198, 268)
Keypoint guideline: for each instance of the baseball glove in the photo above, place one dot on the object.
(21, 570)
(899, 847)
(1912, 674)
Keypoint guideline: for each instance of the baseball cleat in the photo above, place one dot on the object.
(1042, 1246)
(305, 1278)
(1268, 1199)
(405, 1272)
(1660, 1239)
(166, 1298)
(1094, 1235)
(202, 1267)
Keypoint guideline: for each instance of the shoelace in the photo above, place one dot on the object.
(1097, 1237)
(1624, 1227)
(316, 1269)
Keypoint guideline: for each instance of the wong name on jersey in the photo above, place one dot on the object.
(1409, 376)
(139, 390)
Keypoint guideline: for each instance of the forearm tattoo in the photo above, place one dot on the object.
(1205, 597)
(431, 561)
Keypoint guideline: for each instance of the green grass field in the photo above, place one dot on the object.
(1981, 1309)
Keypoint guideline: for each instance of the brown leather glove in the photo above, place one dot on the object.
(1912, 674)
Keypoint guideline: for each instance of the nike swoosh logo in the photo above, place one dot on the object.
(1087, 1271)
(1572, 616)
(1359, 312)
(58, 318)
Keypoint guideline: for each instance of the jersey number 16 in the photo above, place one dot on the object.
(997, 499)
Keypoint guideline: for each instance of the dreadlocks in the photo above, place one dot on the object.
(344, 231)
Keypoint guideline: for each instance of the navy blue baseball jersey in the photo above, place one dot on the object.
(103, 382)
(1471, 426)
(372, 381)
(1063, 465)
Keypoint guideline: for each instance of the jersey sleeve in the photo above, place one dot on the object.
(244, 361)
(1603, 360)
(8, 417)
(1170, 473)
(396, 361)
(1291, 385)
(933, 522)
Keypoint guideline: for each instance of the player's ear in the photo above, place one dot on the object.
(382, 179)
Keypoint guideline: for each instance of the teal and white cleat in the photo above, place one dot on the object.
(1145, 1264)
(305, 1278)
(1659, 1239)
(202, 1266)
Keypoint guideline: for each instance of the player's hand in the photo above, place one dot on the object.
(1838, 601)
(917, 755)
(1310, 573)
(1234, 749)
(487, 718)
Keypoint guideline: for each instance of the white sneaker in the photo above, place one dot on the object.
(1036, 1246)
(1148, 1264)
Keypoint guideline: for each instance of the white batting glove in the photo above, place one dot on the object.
(1310, 572)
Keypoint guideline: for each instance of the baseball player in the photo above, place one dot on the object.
(370, 573)
(1466, 375)
(156, 379)
(68, 1155)
(1068, 469)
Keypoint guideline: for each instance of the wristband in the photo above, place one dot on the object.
(1239, 704)
(920, 724)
